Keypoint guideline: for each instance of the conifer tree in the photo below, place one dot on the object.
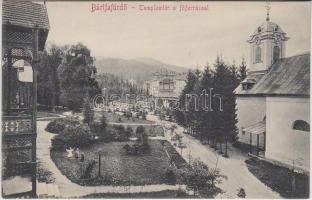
(242, 70)
(205, 116)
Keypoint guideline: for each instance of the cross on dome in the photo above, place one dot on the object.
(268, 10)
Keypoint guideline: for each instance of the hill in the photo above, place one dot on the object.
(140, 69)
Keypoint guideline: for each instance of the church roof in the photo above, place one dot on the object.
(288, 76)
(268, 26)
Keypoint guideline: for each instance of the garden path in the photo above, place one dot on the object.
(238, 175)
(69, 189)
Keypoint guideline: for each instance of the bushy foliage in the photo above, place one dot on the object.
(55, 126)
(88, 113)
(170, 176)
(58, 125)
(73, 136)
(141, 146)
(87, 173)
(199, 177)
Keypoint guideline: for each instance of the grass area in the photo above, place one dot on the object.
(151, 128)
(113, 117)
(162, 194)
(152, 131)
(279, 178)
(118, 168)
(46, 114)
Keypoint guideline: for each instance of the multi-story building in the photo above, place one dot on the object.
(165, 87)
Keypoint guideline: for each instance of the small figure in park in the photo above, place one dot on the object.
(70, 152)
(82, 157)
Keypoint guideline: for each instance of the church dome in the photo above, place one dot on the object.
(268, 26)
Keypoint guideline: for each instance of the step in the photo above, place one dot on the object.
(42, 190)
(50, 190)
(56, 191)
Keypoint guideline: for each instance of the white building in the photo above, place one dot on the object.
(273, 102)
(166, 87)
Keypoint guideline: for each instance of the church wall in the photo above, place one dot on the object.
(284, 144)
(250, 110)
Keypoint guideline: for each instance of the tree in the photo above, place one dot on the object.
(142, 136)
(187, 104)
(199, 177)
(88, 112)
(205, 115)
(103, 123)
(224, 121)
(242, 70)
(129, 131)
(76, 74)
(48, 82)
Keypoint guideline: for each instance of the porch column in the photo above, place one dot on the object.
(34, 107)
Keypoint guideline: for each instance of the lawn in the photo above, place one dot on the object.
(46, 114)
(163, 194)
(117, 168)
(279, 178)
(113, 117)
(152, 131)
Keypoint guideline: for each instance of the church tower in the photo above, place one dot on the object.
(267, 45)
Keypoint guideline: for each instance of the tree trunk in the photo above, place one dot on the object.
(226, 153)
(220, 146)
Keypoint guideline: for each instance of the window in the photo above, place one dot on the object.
(258, 55)
(301, 125)
(276, 53)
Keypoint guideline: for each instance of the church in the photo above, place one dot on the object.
(273, 101)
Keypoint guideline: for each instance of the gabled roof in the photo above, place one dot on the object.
(24, 13)
(288, 76)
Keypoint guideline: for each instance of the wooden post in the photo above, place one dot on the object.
(9, 68)
(99, 164)
(34, 107)
(257, 144)
(250, 137)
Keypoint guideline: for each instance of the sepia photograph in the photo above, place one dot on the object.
(155, 99)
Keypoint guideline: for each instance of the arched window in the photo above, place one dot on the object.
(258, 55)
(301, 125)
(276, 53)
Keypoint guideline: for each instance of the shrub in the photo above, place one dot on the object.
(121, 134)
(55, 126)
(129, 132)
(73, 136)
(58, 125)
(170, 176)
(87, 173)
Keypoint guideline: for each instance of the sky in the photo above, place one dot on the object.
(189, 39)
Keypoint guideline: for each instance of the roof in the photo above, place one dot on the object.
(25, 13)
(268, 26)
(256, 129)
(288, 76)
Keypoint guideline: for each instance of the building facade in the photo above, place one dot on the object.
(165, 87)
(273, 102)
